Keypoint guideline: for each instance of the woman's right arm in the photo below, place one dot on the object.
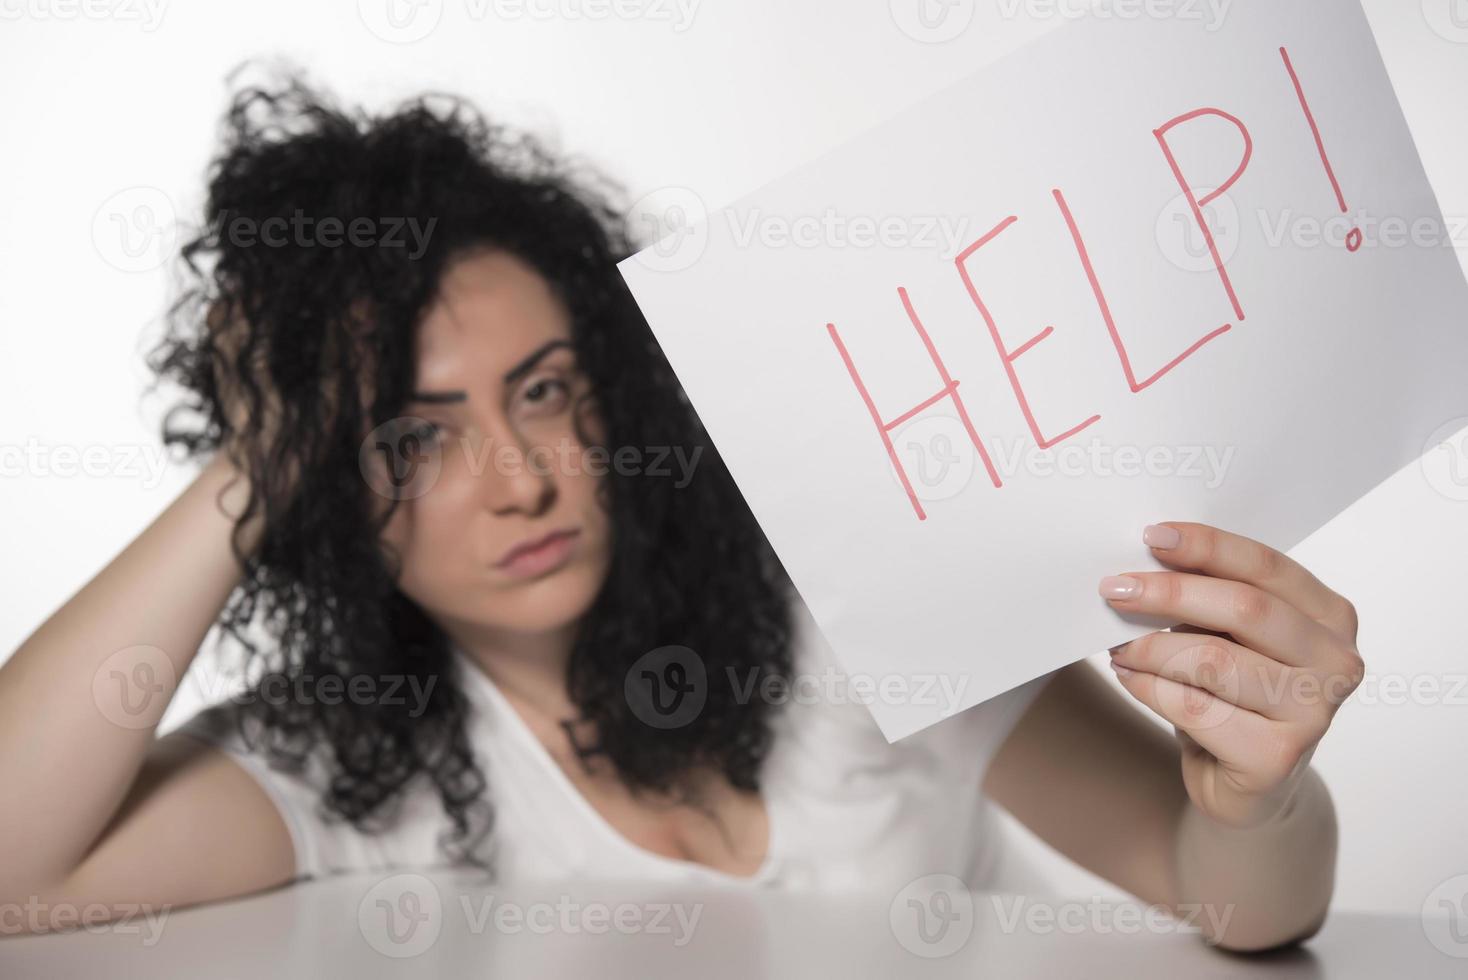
(93, 807)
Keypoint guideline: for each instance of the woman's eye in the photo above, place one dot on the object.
(546, 391)
(425, 434)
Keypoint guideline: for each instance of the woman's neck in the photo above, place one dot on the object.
(528, 668)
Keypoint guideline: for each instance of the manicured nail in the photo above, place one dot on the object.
(1120, 587)
(1120, 670)
(1160, 536)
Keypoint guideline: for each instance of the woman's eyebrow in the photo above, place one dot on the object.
(437, 397)
(525, 366)
(516, 372)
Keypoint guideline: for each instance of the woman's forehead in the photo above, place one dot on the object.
(492, 309)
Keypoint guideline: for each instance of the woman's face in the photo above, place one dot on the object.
(499, 529)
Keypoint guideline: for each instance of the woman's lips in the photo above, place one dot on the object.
(541, 556)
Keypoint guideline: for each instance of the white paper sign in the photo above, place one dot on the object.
(1134, 272)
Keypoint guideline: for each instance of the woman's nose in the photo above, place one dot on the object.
(518, 479)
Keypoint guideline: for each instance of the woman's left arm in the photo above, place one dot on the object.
(1244, 843)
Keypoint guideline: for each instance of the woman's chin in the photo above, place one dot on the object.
(546, 603)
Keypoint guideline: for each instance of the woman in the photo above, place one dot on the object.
(431, 482)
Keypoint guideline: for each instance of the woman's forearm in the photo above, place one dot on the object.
(72, 737)
(1264, 886)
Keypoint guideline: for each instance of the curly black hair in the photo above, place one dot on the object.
(689, 567)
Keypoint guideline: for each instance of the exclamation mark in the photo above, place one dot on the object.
(1354, 238)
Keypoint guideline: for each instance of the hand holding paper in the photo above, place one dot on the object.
(1172, 294)
(1254, 685)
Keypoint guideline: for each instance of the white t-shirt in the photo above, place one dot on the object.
(846, 809)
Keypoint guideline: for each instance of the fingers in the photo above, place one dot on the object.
(1206, 549)
(1234, 735)
(1253, 617)
(1232, 673)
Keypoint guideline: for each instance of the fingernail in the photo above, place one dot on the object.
(1160, 536)
(1120, 670)
(1120, 587)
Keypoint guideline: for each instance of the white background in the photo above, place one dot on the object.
(108, 99)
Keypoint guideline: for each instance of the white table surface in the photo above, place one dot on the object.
(339, 927)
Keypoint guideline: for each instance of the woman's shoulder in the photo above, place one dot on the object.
(297, 783)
